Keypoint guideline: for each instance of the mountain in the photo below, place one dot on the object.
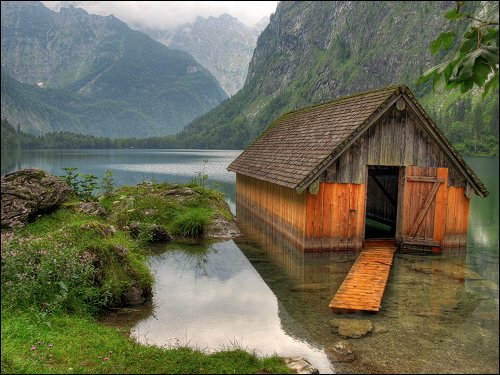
(221, 44)
(71, 71)
(315, 51)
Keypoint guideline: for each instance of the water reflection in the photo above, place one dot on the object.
(434, 307)
(439, 313)
(214, 299)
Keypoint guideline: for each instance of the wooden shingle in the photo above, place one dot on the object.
(300, 144)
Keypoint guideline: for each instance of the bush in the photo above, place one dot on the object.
(192, 222)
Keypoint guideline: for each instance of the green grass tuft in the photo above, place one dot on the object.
(192, 222)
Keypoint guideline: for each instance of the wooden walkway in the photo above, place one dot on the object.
(364, 286)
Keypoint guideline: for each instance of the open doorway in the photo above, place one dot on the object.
(381, 202)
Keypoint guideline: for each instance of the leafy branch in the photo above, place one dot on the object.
(475, 61)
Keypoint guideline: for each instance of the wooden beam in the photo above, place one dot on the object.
(418, 241)
(424, 179)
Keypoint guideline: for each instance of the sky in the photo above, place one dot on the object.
(167, 15)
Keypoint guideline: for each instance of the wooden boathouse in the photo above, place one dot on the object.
(367, 166)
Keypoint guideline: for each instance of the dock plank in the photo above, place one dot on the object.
(364, 286)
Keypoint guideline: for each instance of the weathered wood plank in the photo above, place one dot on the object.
(364, 286)
(424, 179)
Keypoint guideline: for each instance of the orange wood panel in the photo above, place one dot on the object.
(335, 216)
(441, 207)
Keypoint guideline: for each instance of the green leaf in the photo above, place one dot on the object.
(428, 74)
(491, 85)
(490, 53)
(481, 71)
(443, 41)
(453, 14)
(466, 85)
(490, 34)
(447, 72)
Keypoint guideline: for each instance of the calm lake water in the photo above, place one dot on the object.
(439, 314)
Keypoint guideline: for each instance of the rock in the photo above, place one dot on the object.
(309, 287)
(159, 234)
(89, 208)
(29, 192)
(154, 232)
(300, 365)
(120, 250)
(135, 229)
(379, 328)
(340, 352)
(180, 192)
(222, 228)
(135, 296)
(351, 328)
(456, 272)
(105, 230)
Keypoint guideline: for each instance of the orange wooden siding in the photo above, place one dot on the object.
(335, 217)
(279, 207)
(457, 218)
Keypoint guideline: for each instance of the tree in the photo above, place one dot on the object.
(475, 60)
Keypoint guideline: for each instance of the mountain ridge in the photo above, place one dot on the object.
(98, 61)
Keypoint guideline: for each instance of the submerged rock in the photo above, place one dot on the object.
(351, 328)
(300, 365)
(453, 271)
(310, 287)
(340, 352)
(28, 192)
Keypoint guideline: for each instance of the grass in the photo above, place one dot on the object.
(185, 211)
(79, 345)
(61, 270)
(71, 262)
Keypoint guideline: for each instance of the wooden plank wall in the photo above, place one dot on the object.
(280, 207)
(396, 139)
(335, 217)
(457, 218)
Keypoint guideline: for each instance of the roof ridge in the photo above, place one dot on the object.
(396, 86)
(345, 97)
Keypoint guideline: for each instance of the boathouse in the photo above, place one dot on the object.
(366, 166)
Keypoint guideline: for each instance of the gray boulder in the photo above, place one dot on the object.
(29, 192)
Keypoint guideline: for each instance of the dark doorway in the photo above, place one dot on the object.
(381, 202)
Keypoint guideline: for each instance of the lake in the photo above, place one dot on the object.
(439, 313)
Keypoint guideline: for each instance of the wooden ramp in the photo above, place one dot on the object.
(364, 286)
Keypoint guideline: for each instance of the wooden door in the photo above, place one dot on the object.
(424, 205)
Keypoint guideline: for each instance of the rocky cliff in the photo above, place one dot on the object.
(69, 70)
(316, 51)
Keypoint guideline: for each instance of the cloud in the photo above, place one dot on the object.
(168, 15)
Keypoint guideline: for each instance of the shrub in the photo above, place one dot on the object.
(192, 222)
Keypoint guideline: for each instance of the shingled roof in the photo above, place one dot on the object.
(299, 145)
